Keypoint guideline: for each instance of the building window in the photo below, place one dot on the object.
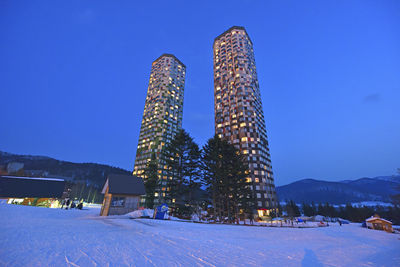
(117, 202)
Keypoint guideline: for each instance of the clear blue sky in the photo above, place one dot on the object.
(74, 76)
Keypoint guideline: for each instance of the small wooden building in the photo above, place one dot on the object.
(377, 223)
(121, 194)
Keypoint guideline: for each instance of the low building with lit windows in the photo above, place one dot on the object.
(377, 223)
(122, 194)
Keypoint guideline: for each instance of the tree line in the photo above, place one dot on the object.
(348, 212)
(218, 168)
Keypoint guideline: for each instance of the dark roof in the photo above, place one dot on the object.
(124, 185)
(230, 29)
(170, 55)
(21, 187)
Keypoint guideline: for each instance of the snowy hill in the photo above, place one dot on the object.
(342, 192)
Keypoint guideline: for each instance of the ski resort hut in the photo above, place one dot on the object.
(377, 223)
(121, 194)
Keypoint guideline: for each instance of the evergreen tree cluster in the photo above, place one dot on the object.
(218, 167)
(182, 157)
(292, 209)
(224, 176)
(83, 192)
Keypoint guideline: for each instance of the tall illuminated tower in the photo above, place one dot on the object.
(162, 116)
(239, 116)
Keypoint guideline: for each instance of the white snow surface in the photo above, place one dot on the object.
(33, 236)
(141, 213)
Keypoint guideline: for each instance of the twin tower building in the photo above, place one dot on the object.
(239, 116)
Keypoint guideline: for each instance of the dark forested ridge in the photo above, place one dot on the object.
(306, 190)
(341, 192)
(93, 173)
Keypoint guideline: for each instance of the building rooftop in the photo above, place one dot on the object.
(33, 178)
(124, 185)
(233, 28)
(20, 187)
(373, 218)
(170, 55)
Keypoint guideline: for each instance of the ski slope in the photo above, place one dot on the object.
(32, 236)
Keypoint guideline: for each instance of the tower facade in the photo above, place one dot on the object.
(239, 116)
(162, 115)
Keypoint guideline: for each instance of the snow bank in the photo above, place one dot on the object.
(148, 213)
(145, 213)
(92, 205)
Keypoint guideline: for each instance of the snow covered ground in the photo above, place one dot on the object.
(32, 236)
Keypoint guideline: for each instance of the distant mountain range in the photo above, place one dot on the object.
(93, 173)
(342, 192)
(307, 190)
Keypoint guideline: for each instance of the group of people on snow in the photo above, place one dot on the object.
(68, 203)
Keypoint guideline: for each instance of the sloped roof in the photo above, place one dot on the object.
(124, 185)
(370, 219)
(20, 187)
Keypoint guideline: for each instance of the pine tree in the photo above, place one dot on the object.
(213, 172)
(321, 209)
(239, 195)
(182, 156)
(224, 175)
(314, 209)
(292, 209)
(279, 213)
(151, 181)
(307, 210)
